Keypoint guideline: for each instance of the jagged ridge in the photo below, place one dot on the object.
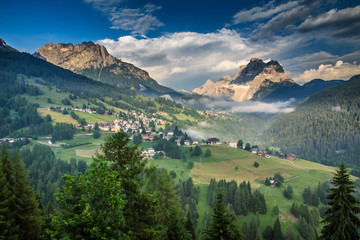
(250, 78)
(94, 61)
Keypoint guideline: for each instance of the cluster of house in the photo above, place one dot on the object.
(259, 152)
(12, 140)
(212, 112)
(133, 125)
(8, 140)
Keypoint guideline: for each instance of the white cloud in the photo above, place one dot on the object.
(245, 107)
(137, 20)
(314, 60)
(196, 134)
(266, 11)
(187, 59)
(333, 17)
(340, 70)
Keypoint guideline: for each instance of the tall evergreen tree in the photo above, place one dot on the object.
(28, 214)
(340, 219)
(126, 159)
(96, 131)
(277, 234)
(223, 225)
(7, 218)
(8, 227)
(290, 234)
(190, 227)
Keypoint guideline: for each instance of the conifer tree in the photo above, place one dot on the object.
(223, 225)
(96, 131)
(277, 234)
(28, 214)
(7, 218)
(8, 227)
(340, 219)
(126, 159)
(290, 234)
(190, 227)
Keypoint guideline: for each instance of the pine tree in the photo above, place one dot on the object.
(139, 207)
(277, 234)
(28, 214)
(96, 131)
(8, 227)
(190, 227)
(290, 234)
(340, 219)
(223, 225)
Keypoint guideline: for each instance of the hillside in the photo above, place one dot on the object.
(326, 127)
(284, 93)
(94, 61)
(32, 83)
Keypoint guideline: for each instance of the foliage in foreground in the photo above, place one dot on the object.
(340, 219)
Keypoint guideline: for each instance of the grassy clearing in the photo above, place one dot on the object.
(176, 165)
(56, 116)
(89, 117)
(83, 152)
(224, 160)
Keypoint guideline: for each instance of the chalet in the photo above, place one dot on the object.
(213, 141)
(195, 142)
(178, 142)
(291, 156)
(170, 133)
(272, 182)
(148, 153)
(187, 142)
(233, 144)
(262, 153)
(254, 150)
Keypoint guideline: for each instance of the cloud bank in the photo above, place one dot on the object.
(340, 70)
(176, 59)
(137, 20)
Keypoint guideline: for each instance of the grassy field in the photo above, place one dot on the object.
(89, 117)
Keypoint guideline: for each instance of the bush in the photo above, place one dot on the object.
(256, 164)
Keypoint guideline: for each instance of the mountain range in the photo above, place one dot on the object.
(94, 61)
(261, 81)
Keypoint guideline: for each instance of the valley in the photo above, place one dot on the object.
(64, 116)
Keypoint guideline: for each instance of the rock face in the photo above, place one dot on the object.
(94, 61)
(250, 79)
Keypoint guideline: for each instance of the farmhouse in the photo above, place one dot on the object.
(233, 144)
(291, 156)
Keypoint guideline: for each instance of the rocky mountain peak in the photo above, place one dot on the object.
(94, 61)
(2, 43)
(77, 57)
(254, 68)
(250, 79)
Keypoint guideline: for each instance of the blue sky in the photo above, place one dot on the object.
(184, 43)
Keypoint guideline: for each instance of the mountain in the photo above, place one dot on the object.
(94, 61)
(286, 92)
(4, 46)
(249, 80)
(325, 127)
